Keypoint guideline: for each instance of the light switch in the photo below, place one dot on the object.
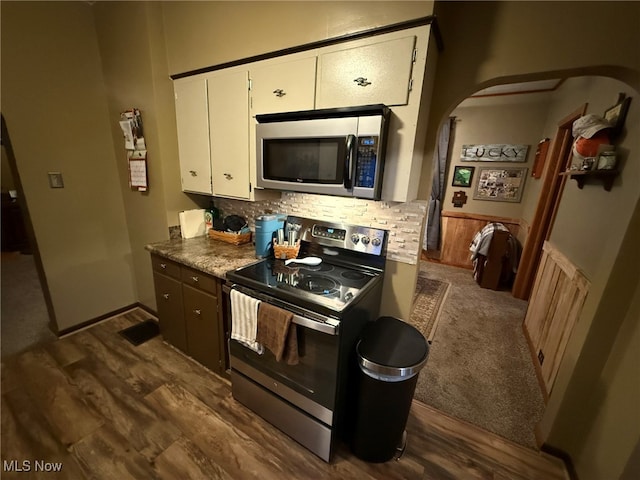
(55, 180)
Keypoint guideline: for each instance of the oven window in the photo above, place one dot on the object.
(315, 376)
(305, 160)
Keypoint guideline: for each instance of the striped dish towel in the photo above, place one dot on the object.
(244, 320)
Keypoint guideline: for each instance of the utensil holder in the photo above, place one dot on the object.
(284, 251)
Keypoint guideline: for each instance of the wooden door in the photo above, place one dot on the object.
(547, 207)
(557, 298)
(201, 319)
(170, 310)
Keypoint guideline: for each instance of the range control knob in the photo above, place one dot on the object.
(376, 242)
(365, 240)
(355, 238)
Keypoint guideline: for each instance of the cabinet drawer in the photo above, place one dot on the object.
(166, 267)
(199, 280)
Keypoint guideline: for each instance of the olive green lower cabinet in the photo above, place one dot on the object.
(189, 311)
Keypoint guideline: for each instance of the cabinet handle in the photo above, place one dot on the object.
(195, 279)
(163, 266)
(165, 296)
(193, 173)
(362, 81)
(279, 92)
(197, 311)
(228, 176)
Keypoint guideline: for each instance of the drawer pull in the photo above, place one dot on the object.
(165, 296)
(197, 311)
(194, 278)
(362, 81)
(163, 266)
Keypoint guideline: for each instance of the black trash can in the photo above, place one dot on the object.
(390, 354)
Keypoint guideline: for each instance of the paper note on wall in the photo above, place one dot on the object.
(138, 170)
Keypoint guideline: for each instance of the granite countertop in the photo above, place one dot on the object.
(206, 254)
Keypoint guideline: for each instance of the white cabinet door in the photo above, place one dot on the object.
(377, 73)
(229, 132)
(283, 87)
(192, 118)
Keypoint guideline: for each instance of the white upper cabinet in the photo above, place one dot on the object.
(283, 86)
(228, 93)
(376, 73)
(192, 116)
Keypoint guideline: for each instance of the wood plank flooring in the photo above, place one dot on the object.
(93, 406)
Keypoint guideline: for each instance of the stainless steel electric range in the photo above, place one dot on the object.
(331, 303)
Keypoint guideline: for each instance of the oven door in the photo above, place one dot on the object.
(311, 384)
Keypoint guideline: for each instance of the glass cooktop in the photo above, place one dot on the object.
(326, 284)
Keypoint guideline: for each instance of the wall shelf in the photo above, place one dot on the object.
(606, 176)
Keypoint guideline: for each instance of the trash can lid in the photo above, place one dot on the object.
(392, 347)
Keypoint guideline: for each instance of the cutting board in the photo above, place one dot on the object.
(192, 223)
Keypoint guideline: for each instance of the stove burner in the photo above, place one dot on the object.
(317, 284)
(352, 275)
(323, 267)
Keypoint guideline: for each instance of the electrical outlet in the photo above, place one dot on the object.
(540, 356)
(55, 180)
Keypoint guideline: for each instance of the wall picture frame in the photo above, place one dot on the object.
(500, 184)
(616, 116)
(462, 176)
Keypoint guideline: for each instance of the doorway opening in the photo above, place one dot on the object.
(27, 313)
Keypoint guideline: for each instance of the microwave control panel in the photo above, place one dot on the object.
(366, 160)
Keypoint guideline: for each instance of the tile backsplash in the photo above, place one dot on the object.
(402, 220)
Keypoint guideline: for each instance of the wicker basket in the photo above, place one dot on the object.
(228, 237)
(285, 251)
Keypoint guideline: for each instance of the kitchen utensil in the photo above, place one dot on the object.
(293, 236)
(305, 261)
(280, 236)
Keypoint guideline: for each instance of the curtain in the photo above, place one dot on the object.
(432, 232)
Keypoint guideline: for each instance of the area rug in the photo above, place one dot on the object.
(427, 302)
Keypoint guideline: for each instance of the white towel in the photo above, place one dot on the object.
(244, 320)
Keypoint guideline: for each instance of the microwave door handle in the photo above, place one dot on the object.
(349, 164)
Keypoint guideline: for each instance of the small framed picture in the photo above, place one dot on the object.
(616, 116)
(606, 161)
(462, 176)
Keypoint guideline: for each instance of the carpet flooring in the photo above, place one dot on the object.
(479, 367)
(24, 311)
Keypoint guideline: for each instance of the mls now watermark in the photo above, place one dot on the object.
(31, 466)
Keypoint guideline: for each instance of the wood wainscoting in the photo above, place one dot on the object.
(556, 301)
(458, 230)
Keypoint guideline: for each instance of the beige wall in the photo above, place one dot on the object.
(496, 120)
(55, 106)
(548, 49)
(201, 34)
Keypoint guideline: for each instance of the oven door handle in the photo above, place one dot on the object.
(314, 325)
(318, 326)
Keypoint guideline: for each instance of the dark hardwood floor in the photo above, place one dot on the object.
(93, 406)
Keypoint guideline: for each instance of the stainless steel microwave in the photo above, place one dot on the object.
(338, 151)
